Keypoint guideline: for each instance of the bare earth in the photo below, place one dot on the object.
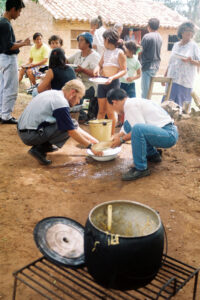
(74, 184)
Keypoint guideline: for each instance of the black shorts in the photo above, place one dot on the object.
(103, 88)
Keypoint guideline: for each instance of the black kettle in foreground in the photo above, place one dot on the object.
(123, 244)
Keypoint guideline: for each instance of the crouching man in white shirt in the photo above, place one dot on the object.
(147, 125)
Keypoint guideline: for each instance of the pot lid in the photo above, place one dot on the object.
(60, 240)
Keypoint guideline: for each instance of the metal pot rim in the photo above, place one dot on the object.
(130, 202)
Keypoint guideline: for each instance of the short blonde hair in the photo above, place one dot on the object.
(75, 84)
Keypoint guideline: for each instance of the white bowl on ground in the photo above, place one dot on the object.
(108, 154)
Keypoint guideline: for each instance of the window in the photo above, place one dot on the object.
(74, 34)
(171, 40)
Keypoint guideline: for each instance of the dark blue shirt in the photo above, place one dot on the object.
(7, 37)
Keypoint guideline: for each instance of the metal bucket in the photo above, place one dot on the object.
(101, 129)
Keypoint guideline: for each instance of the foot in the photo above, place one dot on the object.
(10, 121)
(39, 155)
(134, 174)
(155, 158)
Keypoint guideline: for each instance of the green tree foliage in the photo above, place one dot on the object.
(2, 5)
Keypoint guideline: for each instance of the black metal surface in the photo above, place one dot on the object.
(40, 237)
(57, 282)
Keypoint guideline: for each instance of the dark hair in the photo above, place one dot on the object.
(132, 46)
(116, 94)
(55, 38)
(57, 58)
(185, 26)
(112, 36)
(154, 23)
(36, 35)
(97, 21)
(17, 4)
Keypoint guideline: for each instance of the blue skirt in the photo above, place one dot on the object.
(180, 94)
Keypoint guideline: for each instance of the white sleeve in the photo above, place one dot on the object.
(95, 42)
(95, 58)
(196, 52)
(71, 59)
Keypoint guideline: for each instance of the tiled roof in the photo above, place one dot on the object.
(128, 12)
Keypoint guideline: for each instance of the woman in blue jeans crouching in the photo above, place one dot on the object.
(147, 125)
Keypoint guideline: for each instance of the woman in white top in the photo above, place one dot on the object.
(98, 29)
(183, 63)
(113, 66)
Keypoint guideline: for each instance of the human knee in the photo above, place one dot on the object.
(29, 72)
(137, 128)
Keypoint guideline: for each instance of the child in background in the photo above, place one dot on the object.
(55, 42)
(133, 69)
(113, 66)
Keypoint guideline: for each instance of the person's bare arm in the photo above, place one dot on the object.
(77, 136)
(86, 71)
(191, 61)
(116, 140)
(87, 136)
(19, 44)
(165, 75)
(46, 82)
(97, 70)
(129, 79)
(42, 62)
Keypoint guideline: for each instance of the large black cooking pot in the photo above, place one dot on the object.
(130, 254)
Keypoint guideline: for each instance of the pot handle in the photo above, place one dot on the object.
(95, 246)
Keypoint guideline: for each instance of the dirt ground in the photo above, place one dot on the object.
(74, 184)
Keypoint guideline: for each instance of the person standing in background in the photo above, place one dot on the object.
(150, 58)
(133, 69)
(98, 41)
(9, 49)
(113, 66)
(183, 63)
(130, 36)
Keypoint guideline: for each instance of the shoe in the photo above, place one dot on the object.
(39, 155)
(10, 121)
(134, 174)
(50, 148)
(156, 158)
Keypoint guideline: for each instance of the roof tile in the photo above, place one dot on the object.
(127, 12)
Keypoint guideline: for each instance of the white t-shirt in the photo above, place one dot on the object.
(181, 72)
(98, 39)
(87, 62)
(143, 111)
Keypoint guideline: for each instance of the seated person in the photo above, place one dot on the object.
(46, 124)
(38, 60)
(55, 42)
(58, 73)
(86, 60)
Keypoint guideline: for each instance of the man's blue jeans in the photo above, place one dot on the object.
(146, 138)
(145, 82)
(8, 84)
